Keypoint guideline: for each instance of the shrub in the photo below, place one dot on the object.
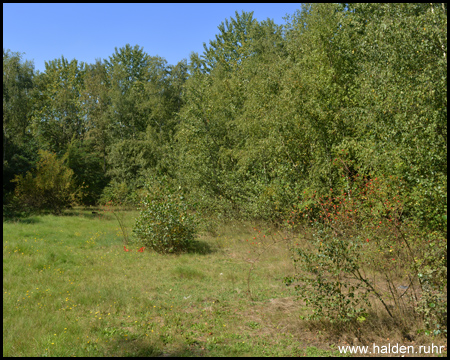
(165, 224)
(364, 245)
(50, 187)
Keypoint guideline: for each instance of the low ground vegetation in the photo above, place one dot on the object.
(70, 277)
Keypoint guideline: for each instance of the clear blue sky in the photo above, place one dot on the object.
(88, 31)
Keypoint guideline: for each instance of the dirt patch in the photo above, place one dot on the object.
(283, 304)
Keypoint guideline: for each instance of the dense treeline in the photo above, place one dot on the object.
(254, 125)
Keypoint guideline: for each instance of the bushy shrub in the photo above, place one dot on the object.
(365, 248)
(49, 187)
(165, 224)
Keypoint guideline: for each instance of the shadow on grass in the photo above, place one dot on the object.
(200, 247)
(88, 214)
(23, 220)
(76, 212)
(95, 212)
(139, 348)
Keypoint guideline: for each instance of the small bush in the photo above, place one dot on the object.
(165, 224)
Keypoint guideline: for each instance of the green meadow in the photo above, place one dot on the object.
(70, 289)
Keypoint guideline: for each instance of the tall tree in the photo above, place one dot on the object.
(19, 147)
(230, 46)
(145, 95)
(17, 88)
(96, 101)
(130, 70)
(400, 110)
(212, 130)
(60, 115)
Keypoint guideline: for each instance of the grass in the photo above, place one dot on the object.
(69, 289)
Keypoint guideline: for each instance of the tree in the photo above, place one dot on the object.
(96, 102)
(230, 46)
(128, 159)
(59, 114)
(88, 175)
(400, 109)
(145, 96)
(133, 74)
(212, 134)
(18, 143)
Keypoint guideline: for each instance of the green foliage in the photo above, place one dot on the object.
(231, 45)
(258, 117)
(400, 104)
(128, 159)
(88, 172)
(165, 224)
(49, 187)
(17, 90)
(20, 158)
(214, 138)
(119, 193)
(59, 114)
(324, 286)
(96, 100)
(432, 266)
(19, 147)
(363, 250)
(134, 76)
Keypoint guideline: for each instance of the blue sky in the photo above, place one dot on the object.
(88, 31)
